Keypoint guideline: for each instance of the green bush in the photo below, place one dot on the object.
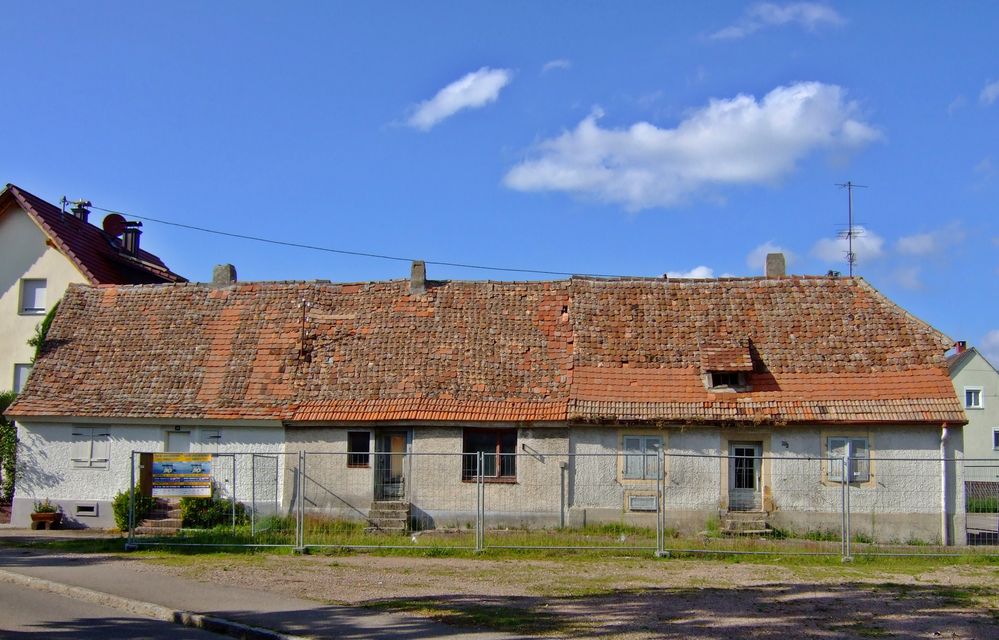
(143, 505)
(8, 449)
(205, 513)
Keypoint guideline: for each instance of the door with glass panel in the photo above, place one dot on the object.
(745, 481)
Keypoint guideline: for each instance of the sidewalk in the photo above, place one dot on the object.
(122, 578)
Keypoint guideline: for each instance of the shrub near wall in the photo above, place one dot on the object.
(143, 505)
(206, 513)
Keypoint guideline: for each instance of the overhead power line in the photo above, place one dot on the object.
(347, 252)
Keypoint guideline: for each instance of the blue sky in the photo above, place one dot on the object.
(611, 138)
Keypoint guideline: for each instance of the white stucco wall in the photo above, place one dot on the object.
(25, 255)
(46, 470)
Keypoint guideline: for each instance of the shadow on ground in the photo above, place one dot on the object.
(764, 612)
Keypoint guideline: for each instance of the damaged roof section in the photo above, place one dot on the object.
(815, 350)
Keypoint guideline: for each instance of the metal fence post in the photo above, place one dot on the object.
(660, 506)
(846, 503)
(130, 544)
(232, 498)
(300, 512)
(253, 494)
(480, 509)
(563, 478)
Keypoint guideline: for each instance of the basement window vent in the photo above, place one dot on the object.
(86, 510)
(642, 503)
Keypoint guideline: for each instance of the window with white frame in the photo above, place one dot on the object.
(973, 398)
(21, 372)
(91, 448)
(641, 457)
(859, 452)
(33, 296)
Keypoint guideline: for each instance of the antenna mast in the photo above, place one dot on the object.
(851, 257)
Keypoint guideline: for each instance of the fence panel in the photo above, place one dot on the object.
(981, 481)
(641, 499)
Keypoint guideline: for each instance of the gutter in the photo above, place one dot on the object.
(944, 528)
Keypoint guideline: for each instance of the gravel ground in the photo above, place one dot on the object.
(635, 597)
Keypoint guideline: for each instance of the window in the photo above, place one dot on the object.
(724, 379)
(358, 448)
(91, 447)
(641, 457)
(499, 449)
(973, 398)
(860, 463)
(995, 438)
(32, 297)
(21, 372)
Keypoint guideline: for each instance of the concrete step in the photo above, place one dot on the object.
(161, 523)
(398, 530)
(386, 513)
(389, 522)
(157, 531)
(390, 504)
(745, 525)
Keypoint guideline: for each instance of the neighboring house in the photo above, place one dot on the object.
(601, 373)
(42, 251)
(976, 382)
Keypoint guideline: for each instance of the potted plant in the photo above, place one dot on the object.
(46, 515)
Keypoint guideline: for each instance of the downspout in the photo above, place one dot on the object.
(944, 528)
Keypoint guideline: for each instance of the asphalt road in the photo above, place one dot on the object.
(28, 613)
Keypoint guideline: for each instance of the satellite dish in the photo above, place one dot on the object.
(114, 224)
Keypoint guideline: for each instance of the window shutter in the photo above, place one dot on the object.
(80, 453)
(33, 295)
(860, 463)
(836, 449)
(652, 457)
(632, 457)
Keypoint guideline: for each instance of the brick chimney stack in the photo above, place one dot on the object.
(775, 265)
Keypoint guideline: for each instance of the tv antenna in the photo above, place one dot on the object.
(851, 257)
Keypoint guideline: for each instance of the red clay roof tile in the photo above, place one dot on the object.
(488, 351)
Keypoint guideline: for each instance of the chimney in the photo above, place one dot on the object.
(80, 210)
(775, 265)
(223, 274)
(130, 238)
(961, 346)
(418, 278)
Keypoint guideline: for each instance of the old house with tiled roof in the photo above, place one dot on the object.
(572, 385)
(45, 249)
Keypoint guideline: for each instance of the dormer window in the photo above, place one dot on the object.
(726, 364)
(726, 379)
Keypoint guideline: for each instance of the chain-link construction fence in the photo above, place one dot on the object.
(643, 499)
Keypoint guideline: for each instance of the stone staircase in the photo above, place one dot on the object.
(388, 516)
(745, 523)
(163, 520)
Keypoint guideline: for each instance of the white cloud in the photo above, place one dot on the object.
(697, 272)
(808, 15)
(990, 93)
(908, 277)
(956, 105)
(735, 141)
(990, 346)
(919, 244)
(560, 63)
(757, 258)
(867, 245)
(472, 91)
(931, 242)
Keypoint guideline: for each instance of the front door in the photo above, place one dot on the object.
(390, 465)
(745, 467)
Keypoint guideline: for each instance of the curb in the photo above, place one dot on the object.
(149, 609)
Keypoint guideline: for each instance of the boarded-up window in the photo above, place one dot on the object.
(860, 459)
(641, 457)
(91, 448)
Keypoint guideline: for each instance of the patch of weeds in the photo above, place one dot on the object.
(713, 527)
(862, 538)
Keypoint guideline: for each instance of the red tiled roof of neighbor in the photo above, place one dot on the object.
(814, 350)
(96, 254)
